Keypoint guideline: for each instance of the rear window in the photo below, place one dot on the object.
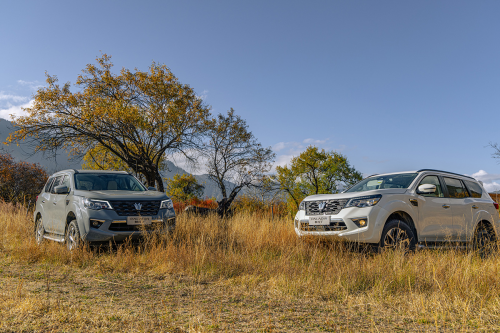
(456, 188)
(474, 188)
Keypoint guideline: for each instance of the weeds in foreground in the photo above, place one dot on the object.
(428, 287)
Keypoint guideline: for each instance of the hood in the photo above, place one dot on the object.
(349, 195)
(122, 195)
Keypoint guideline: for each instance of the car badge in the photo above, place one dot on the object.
(321, 205)
(138, 206)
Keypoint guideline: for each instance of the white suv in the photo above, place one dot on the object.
(423, 207)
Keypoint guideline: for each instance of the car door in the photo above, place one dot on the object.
(461, 207)
(49, 206)
(59, 207)
(435, 217)
(477, 204)
(44, 204)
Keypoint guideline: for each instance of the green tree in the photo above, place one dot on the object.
(235, 159)
(184, 187)
(315, 171)
(139, 117)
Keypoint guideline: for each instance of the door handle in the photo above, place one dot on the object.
(446, 206)
(43, 201)
(55, 203)
(475, 207)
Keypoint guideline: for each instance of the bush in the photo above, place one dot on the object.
(20, 182)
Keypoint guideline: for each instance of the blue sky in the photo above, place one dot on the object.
(393, 85)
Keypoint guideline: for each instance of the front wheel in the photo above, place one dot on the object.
(73, 239)
(397, 235)
(39, 231)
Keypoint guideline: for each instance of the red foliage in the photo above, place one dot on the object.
(20, 181)
(207, 203)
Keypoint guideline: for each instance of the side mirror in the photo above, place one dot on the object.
(426, 189)
(61, 189)
(151, 188)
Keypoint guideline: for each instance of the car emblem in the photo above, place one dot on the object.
(138, 206)
(321, 206)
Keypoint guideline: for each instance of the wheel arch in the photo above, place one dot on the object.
(487, 225)
(405, 217)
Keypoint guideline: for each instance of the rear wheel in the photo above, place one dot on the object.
(73, 239)
(484, 240)
(39, 231)
(397, 235)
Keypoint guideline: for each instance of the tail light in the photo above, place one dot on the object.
(36, 198)
(496, 205)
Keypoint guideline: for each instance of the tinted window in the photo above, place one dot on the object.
(402, 180)
(434, 180)
(47, 186)
(456, 188)
(474, 189)
(56, 182)
(107, 182)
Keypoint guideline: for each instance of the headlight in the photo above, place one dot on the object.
(167, 204)
(96, 204)
(361, 202)
(302, 205)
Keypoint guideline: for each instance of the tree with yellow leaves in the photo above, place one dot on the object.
(138, 117)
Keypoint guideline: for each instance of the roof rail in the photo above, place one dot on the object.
(452, 173)
(76, 171)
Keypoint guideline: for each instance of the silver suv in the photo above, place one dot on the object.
(424, 207)
(91, 206)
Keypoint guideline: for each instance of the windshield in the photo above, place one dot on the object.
(107, 182)
(401, 180)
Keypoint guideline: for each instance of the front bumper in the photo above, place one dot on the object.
(115, 228)
(342, 225)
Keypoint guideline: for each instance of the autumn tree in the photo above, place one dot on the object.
(20, 182)
(183, 188)
(138, 117)
(234, 158)
(315, 171)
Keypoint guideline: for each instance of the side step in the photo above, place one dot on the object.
(56, 238)
(448, 246)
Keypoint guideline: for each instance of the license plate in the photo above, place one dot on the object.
(138, 220)
(319, 220)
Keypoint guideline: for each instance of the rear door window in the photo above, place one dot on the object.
(456, 188)
(474, 189)
(56, 182)
(49, 183)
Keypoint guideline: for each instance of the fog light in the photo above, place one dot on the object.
(96, 224)
(362, 222)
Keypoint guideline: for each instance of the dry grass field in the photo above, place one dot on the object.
(244, 274)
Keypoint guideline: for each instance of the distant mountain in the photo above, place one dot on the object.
(25, 153)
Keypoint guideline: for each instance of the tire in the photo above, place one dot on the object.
(397, 235)
(39, 231)
(73, 239)
(484, 240)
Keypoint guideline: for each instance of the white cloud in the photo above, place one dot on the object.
(14, 98)
(204, 95)
(15, 110)
(310, 141)
(491, 181)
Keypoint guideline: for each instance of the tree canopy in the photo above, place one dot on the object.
(315, 171)
(183, 188)
(234, 156)
(139, 117)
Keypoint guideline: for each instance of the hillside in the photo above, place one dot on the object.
(62, 161)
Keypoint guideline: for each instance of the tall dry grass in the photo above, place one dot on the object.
(425, 286)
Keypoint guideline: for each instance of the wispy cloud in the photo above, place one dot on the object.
(13, 111)
(13, 98)
(33, 85)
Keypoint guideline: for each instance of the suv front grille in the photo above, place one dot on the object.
(127, 208)
(332, 207)
(334, 226)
